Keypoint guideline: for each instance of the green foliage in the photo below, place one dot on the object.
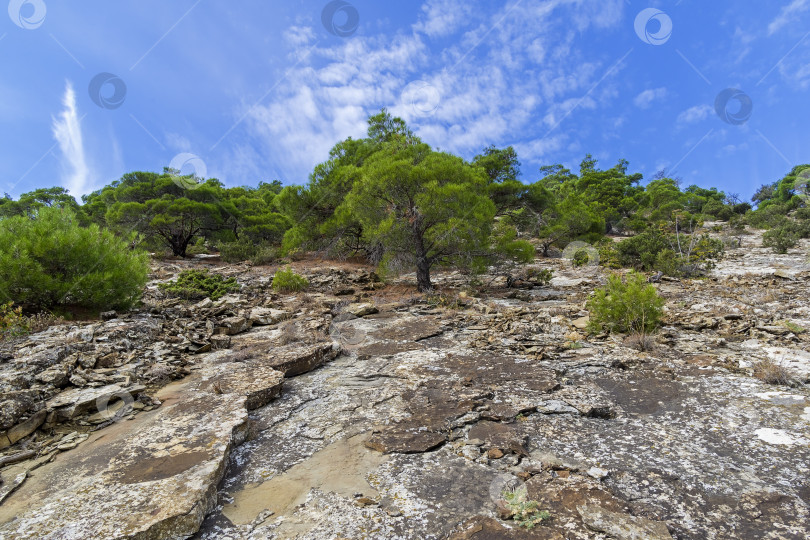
(198, 284)
(627, 306)
(540, 276)
(423, 207)
(12, 321)
(681, 253)
(525, 513)
(509, 246)
(581, 257)
(51, 260)
(793, 327)
(288, 281)
(780, 239)
(245, 249)
(608, 253)
(641, 251)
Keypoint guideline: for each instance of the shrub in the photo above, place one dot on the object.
(780, 239)
(12, 321)
(539, 276)
(581, 257)
(198, 284)
(51, 260)
(238, 251)
(608, 254)
(641, 251)
(678, 254)
(289, 281)
(630, 306)
(246, 250)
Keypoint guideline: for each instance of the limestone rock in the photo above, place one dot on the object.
(57, 376)
(262, 316)
(623, 526)
(294, 359)
(235, 325)
(76, 401)
(361, 310)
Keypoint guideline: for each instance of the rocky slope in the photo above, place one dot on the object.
(364, 410)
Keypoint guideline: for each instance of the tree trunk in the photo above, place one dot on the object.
(179, 244)
(423, 274)
(422, 264)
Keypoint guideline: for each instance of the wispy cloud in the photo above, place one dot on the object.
(646, 98)
(523, 75)
(67, 131)
(694, 114)
(787, 15)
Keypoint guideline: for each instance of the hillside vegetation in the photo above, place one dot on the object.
(394, 201)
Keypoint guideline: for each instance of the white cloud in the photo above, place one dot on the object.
(68, 134)
(694, 114)
(493, 83)
(788, 15)
(442, 17)
(646, 98)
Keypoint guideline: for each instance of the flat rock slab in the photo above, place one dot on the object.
(154, 476)
(623, 526)
(76, 401)
(407, 440)
(298, 358)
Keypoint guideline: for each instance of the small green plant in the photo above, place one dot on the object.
(198, 284)
(627, 306)
(525, 513)
(540, 276)
(581, 258)
(780, 239)
(12, 321)
(793, 327)
(288, 281)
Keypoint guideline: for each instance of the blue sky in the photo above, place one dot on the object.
(260, 90)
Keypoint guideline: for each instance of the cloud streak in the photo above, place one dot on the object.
(68, 134)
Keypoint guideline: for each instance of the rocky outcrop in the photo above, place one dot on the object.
(155, 476)
(429, 416)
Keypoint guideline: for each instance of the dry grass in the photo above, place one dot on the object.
(290, 334)
(774, 372)
(640, 342)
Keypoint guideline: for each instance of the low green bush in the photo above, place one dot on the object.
(198, 284)
(628, 306)
(581, 258)
(288, 281)
(780, 239)
(246, 250)
(50, 260)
